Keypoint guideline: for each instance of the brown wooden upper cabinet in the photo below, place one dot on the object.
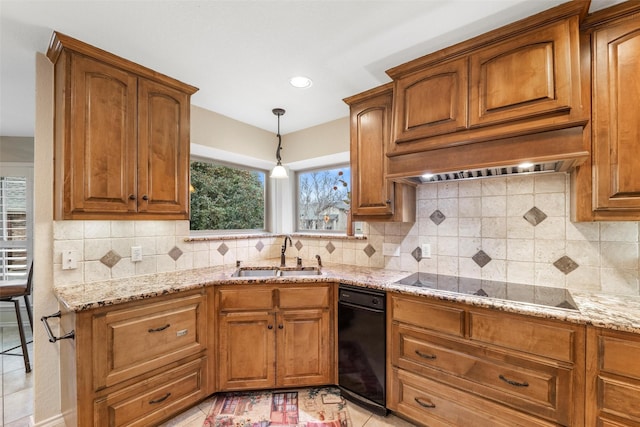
(521, 79)
(373, 197)
(527, 75)
(432, 102)
(121, 137)
(608, 187)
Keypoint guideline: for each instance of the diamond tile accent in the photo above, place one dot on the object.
(534, 216)
(330, 248)
(175, 253)
(223, 249)
(481, 292)
(110, 259)
(259, 246)
(481, 258)
(417, 253)
(369, 250)
(566, 264)
(298, 245)
(437, 217)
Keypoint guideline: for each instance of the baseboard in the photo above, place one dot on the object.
(57, 421)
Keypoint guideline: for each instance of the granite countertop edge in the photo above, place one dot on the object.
(615, 312)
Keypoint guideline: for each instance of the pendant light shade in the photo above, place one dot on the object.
(279, 171)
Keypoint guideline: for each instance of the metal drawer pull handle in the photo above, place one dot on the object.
(52, 338)
(514, 383)
(161, 328)
(425, 355)
(160, 400)
(423, 404)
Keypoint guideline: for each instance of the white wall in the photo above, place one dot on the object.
(46, 355)
(223, 133)
(16, 149)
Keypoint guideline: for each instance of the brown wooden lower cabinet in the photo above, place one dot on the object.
(275, 336)
(449, 364)
(137, 363)
(482, 367)
(613, 378)
(152, 400)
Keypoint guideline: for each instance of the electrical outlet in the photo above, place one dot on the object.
(426, 250)
(69, 260)
(136, 253)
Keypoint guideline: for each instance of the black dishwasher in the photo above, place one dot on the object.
(362, 346)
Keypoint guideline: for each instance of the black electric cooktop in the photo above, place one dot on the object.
(540, 295)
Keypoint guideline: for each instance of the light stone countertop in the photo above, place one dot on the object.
(614, 312)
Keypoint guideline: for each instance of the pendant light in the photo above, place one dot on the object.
(279, 171)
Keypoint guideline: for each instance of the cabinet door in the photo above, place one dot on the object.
(163, 150)
(304, 351)
(372, 194)
(525, 76)
(246, 352)
(613, 378)
(430, 102)
(101, 144)
(616, 124)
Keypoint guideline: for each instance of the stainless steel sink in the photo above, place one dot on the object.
(276, 271)
(255, 272)
(304, 271)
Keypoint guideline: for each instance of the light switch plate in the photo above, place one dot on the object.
(136, 253)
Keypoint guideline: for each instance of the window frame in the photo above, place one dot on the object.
(267, 197)
(296, 198)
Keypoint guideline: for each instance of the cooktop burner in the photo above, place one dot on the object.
(540, 295)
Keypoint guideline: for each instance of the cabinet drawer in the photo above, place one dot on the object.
(133, 341)
(530, 336)
(435, 404)
(439, 318)
(620, 357)
(535, 388)
(154, 399)
(620, 399)
(245, 298)
(307, 297)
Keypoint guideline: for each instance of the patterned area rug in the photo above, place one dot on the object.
(308, 407)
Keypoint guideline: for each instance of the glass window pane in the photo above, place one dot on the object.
(324, 198)
(13, 227)
(226, 198)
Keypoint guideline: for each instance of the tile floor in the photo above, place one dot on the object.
(360, 417)
(16, 400)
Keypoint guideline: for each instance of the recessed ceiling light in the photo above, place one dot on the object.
(427, 176)
(300, 82)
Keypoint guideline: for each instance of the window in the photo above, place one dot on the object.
(324, 197)
(15, 228)
(226, 197)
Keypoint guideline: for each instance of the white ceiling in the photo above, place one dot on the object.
(241, 54)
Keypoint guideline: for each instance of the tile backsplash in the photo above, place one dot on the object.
(514, 228)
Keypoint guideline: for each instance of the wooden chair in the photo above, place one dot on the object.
(13, 293)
